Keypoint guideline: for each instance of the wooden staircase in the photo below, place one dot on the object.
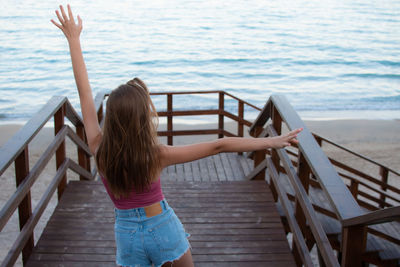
(323, 199)
(350, 216)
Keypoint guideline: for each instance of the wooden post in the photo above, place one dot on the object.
(100, 114)
(25, 207)
(277, 124)
(354, 188)
(240, 123)
(354, 240)
(384, 177)
(60, 153)
(169, 119)
(296, 253)
(303, 171)
(319, 140)
(221, 116)
(83, 158)
(259, 156)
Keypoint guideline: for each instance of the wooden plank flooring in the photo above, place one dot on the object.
(231, 224)
(220, 167)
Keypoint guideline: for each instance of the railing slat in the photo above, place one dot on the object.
(61, 151)
(27, 230)
(9, 208)
(10, 150)
(78, 141)
(173, 113)
(72, 115)
(374, 217)
(355, 154)
(25, 207)
(298, 237)
(81, 171)
(262, 117)
(221, 116)
(307, 208)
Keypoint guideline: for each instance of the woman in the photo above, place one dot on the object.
(130, 159)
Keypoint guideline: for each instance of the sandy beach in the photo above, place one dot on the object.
(378, 140)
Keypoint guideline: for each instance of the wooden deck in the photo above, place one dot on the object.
(220, 167)
(231, 223)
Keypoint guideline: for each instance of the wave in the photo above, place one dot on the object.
(371, 75)
(388, 63)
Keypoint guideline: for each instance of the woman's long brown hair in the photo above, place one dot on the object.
(128, 154)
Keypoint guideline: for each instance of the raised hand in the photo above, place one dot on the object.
(68, 26)
(72, 31)
(286, 139)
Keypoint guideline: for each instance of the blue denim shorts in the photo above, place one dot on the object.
(143, 241)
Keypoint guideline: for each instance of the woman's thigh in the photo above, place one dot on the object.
(184, 261)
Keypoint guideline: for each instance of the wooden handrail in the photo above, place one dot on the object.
(10, 150)
(307, 208)
(311, 161)
(338, 195)
(298, 237)
(16, 150)
(374, 217)
(14, 146)
(12, 204)
(28, 228)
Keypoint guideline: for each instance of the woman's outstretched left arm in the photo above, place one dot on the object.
(72, 32)
(178, 154)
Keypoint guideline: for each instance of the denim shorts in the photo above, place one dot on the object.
(143, 241)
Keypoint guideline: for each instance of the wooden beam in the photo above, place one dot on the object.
(25, 207)
(374, 217)
(298, 239)
(60, 153)
(169, 119)
(354, 241)
(221, 117)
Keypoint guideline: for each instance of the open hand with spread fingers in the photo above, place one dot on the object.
(67, 23)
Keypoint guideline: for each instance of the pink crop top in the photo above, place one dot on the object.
(137, 200)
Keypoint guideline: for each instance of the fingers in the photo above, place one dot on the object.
(79, 21)
(55, 23)
(296, 131)
(59, 17)
(71, 17)
(63, 13)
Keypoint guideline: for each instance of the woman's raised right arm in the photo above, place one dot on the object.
(72, 32)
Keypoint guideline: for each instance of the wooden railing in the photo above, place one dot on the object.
(16, 150)
(308, 166)
(377, 192)
(59, 108)
(302, 220)
(220, 111)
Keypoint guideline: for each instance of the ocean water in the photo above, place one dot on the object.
(330, 58)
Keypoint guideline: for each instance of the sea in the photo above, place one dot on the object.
(332, 59)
